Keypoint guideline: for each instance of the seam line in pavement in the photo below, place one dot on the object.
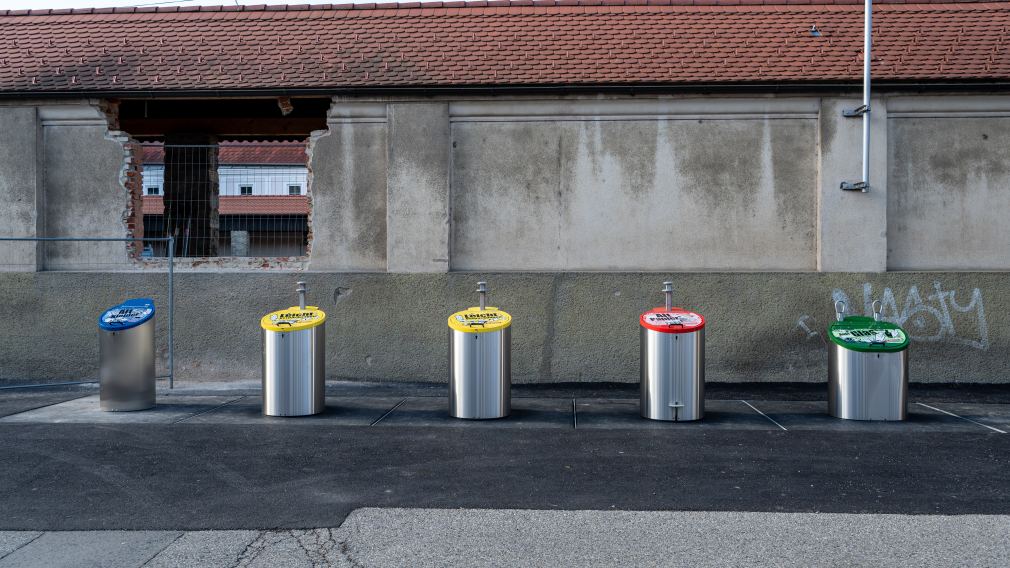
(770, 419)
(38, 536)
(209, 410)
(575, 415)
(390, 411)
(962, 418)
(50, 404)
(163, 549)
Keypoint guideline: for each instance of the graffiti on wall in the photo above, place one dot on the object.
(932, 316)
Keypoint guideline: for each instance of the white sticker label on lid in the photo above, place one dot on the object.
(122, 316)
(673, 319)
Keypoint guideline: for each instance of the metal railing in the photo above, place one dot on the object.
(106, 255)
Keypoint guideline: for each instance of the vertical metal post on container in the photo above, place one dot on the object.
(294, 359)
(126, 356)
(672, 370)
(867, 367)
(480, 361)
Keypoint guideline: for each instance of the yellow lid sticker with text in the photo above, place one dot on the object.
(476, 320)
(293, 319)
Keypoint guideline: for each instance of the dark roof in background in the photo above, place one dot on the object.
(495, 43)
(242, 153)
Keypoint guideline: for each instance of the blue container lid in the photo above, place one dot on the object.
(127, 315)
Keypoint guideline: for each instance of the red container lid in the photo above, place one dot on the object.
(677, 320)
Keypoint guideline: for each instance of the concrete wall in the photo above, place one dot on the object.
(21, 190)
(567, 327)
(949, 194)
(85, 195)
(684, 185)
(411, 197)
(348, 190)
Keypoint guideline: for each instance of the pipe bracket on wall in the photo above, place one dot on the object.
(855, 186)
(856, 112)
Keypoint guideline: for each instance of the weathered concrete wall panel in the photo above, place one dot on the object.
(85, 196)
(635, 194)
(949, 193)
(567, 326)
(852, 225)
(20, 185)
(417, 216)
(348, 191)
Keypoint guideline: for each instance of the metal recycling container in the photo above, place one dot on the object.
(672, 362)
(294, 360)
(480, 361)
(867, 367)
(126, 356)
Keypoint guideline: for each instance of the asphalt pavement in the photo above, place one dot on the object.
(209, 462)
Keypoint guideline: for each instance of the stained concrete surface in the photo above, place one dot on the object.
(13, 540)
(418, 538)
(92, 549)
(567, 327)
(14, 401)
(86, 410)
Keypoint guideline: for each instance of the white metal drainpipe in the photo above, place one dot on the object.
(867, 62)
(864, 110)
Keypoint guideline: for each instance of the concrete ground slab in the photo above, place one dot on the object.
(341, 411)
(526, 413)
(16, 401)
(86, 410)
(423, 538)
(309, 548)
(88, 549)
(809, 415)
(205, 549)
(720, 414)
(13, 540)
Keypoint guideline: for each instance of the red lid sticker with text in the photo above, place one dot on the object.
(677, 320)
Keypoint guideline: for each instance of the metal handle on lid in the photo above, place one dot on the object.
(482, 290)
(301, 295)
(877, 308)
(668, 291)
(839, 310)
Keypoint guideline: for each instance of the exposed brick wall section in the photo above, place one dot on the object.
(130, 177)
(133, 181)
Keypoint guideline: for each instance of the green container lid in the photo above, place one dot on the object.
(861, 333)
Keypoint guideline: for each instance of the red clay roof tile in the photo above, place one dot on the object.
(525, 42)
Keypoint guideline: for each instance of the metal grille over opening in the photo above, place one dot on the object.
(230, 199)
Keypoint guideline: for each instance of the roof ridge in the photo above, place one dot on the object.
(465, 4)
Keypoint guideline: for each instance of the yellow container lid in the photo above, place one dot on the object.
(293, 319)
(476, 320)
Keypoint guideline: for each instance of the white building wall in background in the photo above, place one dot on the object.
(264, 180)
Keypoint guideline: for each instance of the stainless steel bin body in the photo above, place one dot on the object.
(867, 370)
(867, 386)
(294, 362)
(126, 356)
(480, 364)
(672, 370)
